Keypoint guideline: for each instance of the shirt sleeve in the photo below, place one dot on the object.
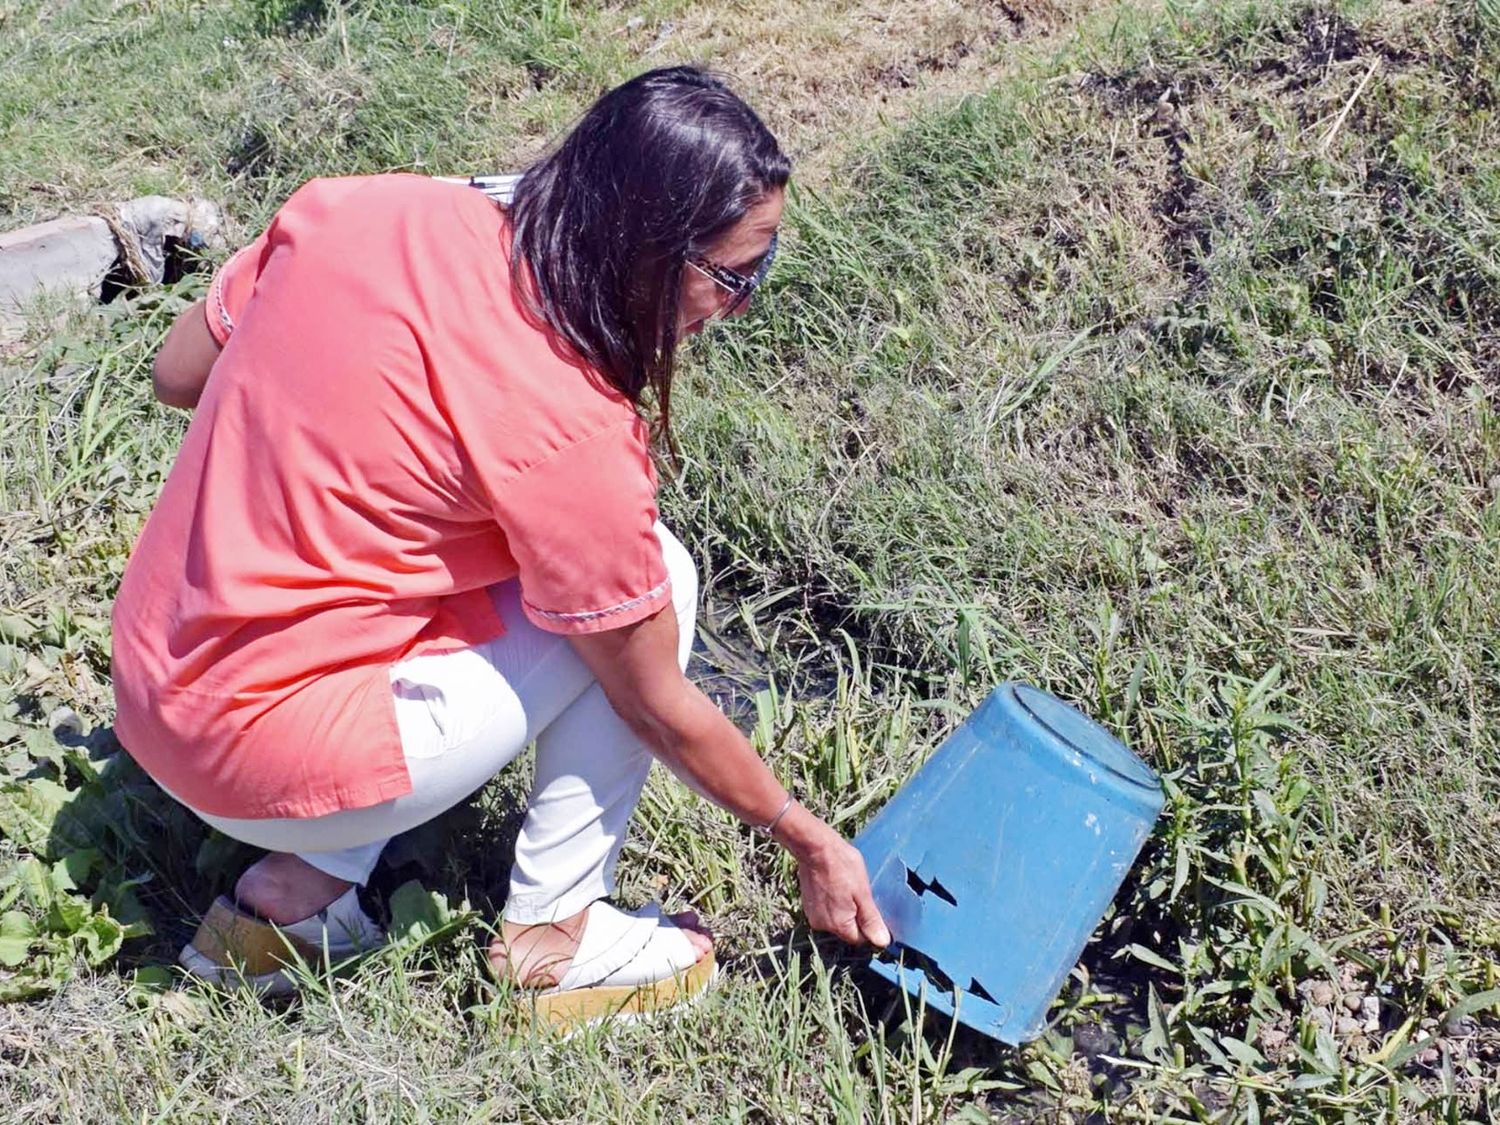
(233, 286)
(229, 291)
(581, 527)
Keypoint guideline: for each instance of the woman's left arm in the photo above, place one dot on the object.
(185, 359)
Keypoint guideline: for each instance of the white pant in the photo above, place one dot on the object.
(463, 716)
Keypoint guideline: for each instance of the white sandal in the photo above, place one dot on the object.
(628, 965)
(235, 948)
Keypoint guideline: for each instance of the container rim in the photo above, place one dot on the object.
(1141, 775)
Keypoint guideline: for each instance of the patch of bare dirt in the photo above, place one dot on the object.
(1314, 70)
(825, 74)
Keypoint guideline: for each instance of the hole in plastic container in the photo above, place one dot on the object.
(920, 962)
(942, 892)
(929, 886)
(977, 989)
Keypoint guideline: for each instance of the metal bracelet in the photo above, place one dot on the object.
(767, 829)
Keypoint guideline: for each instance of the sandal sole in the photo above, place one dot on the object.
(572, 1011)
(233, 950)
(206, 969)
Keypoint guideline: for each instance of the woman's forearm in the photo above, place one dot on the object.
(700, 745)
(637, 667)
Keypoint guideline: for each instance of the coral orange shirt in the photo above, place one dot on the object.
(384, 436)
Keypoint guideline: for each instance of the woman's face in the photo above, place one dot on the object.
(739, 249)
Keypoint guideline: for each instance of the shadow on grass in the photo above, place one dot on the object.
(899, 1025)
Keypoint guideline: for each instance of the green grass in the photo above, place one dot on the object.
(1161, 373)
(242, 102)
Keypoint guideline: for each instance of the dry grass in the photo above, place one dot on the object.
(826, 75)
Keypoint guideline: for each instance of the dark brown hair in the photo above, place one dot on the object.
(652, 174)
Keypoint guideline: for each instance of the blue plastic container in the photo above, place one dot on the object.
(996, 860)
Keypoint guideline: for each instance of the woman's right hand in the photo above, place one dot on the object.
(835, 887)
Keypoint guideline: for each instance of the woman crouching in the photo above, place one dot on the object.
(413, 528)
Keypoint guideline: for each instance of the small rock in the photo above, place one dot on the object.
(1090, 1040)
(1348, 1025)
(1421, 1036)
(1460, 1027)
(1370, 1009)
(1274, 1042)
(1353, 1000)
(1429, 1057)
(65, 721)
(1321, 993)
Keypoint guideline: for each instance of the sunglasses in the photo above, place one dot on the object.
(737, 286)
